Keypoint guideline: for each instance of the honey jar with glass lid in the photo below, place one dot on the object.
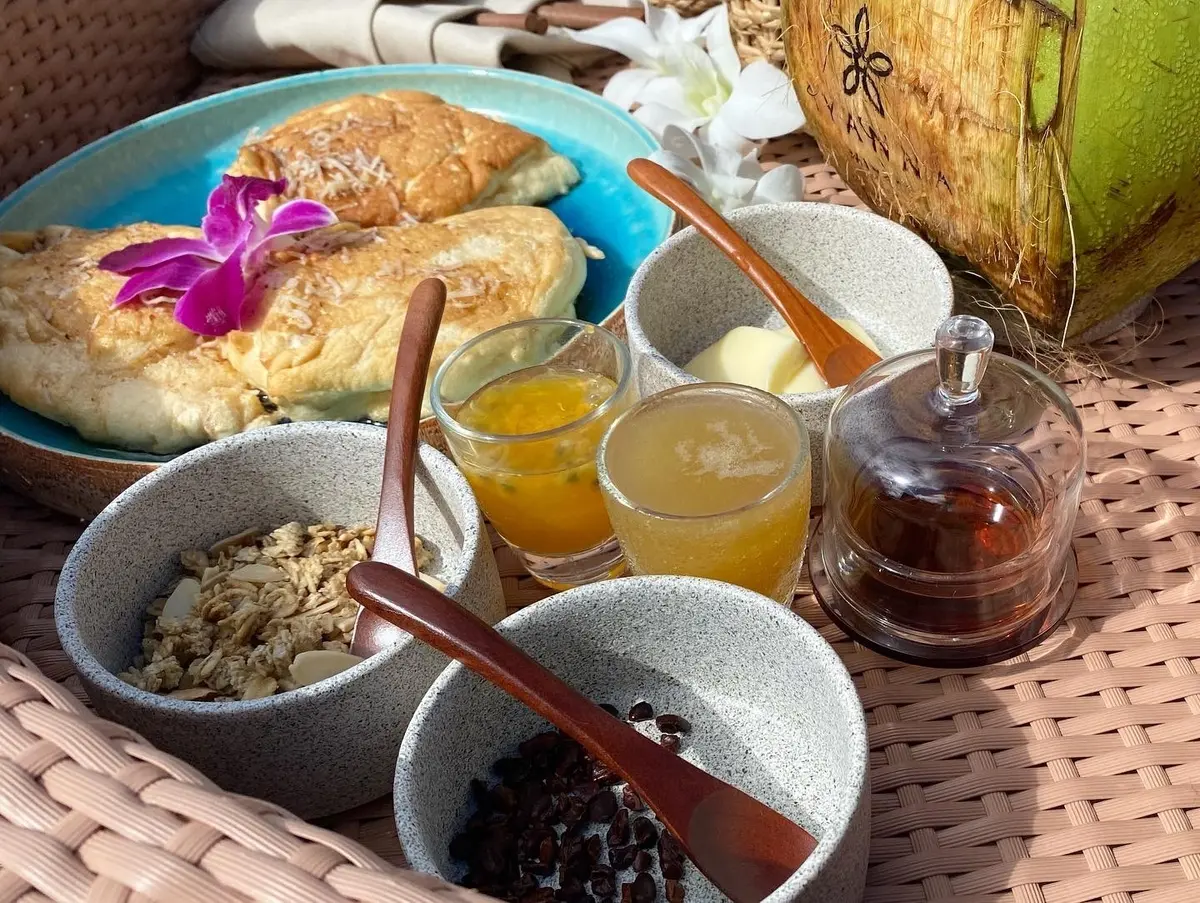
(952, 484)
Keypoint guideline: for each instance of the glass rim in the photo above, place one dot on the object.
(803, 458)
(446, 421)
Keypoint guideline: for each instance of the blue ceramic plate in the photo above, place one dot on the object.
(162, 169)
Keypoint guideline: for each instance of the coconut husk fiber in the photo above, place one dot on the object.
(1053, 144)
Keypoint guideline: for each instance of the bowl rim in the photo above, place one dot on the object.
(561, 607)
(640, 343)
(95, 674)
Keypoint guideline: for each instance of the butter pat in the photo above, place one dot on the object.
(769, 359)
(763, 358)
(808, 379)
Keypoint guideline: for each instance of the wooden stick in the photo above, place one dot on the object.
(579, 15)
(530, 22)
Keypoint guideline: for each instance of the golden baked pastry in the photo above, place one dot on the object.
(325, 344)
(397, 156)
(131, 377)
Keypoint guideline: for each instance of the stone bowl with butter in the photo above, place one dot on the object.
(206, 609)
(692, 316)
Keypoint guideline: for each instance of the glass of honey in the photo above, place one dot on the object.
(711, 480)
(952, 483)
(523, 409)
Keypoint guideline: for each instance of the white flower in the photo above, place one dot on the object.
(687, 74)
(724, 177)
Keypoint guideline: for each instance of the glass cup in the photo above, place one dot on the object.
(711, 480)
(523, 409)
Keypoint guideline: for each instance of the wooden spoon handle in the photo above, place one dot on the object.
(838, 356)
(434, 619)
(394, 542)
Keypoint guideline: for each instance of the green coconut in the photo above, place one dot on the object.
(1055, 145)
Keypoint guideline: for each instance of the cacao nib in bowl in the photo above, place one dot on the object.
(769, 707)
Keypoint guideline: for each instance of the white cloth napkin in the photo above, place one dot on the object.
(297, 34)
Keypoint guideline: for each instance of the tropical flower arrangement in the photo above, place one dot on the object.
(709, 113)
(211, 278)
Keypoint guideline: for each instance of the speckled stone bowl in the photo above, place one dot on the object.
(848, 262)
(773, 711)
(318, 749)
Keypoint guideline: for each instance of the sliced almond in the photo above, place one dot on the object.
(434, 582)
(318, 664)
(194, 693)
(258, 573)
(236, 539)
(210, 576)
(182, 599)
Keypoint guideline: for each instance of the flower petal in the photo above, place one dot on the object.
(657, 117)
(169, 278)
(718, 134)
(683, 168)
(231, 206)
(625, 86)
(144, 255)
(213, 305)
(626, 36)
(681, 143)
(850, 78)
(763, 103)
(299, 215)
(880, 63)
(719, 43)
(844, 41)
(782, 184)
(680, 30)
(862, 28)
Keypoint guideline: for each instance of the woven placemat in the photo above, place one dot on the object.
(1070, 775)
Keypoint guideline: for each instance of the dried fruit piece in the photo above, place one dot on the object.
(630, 798)
(674, 891)
(618, 831)
(642, 861)
(603, 806)
(641, 711)
(669, 742)
(644, 889)
(645, 835)
(673, 724)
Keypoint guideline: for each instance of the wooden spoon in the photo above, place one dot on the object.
(394, 531)
(839, 356)
(745, 848)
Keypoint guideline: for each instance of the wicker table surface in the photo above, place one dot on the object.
(1068, 775)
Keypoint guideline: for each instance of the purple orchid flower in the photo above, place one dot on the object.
(210, 277)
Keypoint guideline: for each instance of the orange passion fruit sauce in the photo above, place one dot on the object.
(541, 494)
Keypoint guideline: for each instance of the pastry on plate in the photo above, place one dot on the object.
(399, 156)
(129, 377)
(324, 346)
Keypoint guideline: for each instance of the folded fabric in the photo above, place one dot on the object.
(267, 34)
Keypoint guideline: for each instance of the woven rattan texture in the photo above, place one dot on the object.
(1069, 776)
(90, 811)
(757, 29)
(73, 70)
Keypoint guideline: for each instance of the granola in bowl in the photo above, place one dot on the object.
(256, 614)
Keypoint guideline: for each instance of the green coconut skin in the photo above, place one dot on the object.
(1134, 180)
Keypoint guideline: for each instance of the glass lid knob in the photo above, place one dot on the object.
(963, 347)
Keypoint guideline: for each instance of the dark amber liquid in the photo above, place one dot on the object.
(954, 520)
